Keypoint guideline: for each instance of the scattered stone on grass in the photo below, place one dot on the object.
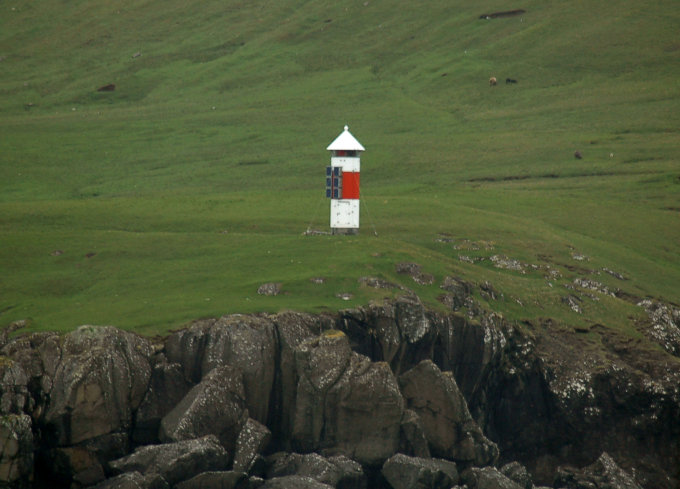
(270, 288)
(378, 283)
(573, 302)
(489, 292)
(614, 274)
(502, 261)
(414, 271)
(585, 283)
(469, 245)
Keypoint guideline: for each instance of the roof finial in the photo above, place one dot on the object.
(346, 127)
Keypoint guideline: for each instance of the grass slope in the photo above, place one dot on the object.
(176, 195)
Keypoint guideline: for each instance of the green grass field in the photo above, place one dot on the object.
(176, 195)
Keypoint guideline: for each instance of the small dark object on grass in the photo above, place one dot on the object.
(578, 155)
(107, 88)
(507, 13)
(510, 80)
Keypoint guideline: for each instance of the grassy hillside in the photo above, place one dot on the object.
(176, 195)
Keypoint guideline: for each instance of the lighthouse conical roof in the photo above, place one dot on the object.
(345, 141)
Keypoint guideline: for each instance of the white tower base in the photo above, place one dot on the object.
(345, 216)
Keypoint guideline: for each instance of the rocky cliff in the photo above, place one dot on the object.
(389, 395)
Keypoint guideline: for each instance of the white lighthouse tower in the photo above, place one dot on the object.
(342, 183)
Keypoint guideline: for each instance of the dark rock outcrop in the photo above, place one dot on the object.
(167, 387)
(292, 330)
(399, 333)
(99, 382)
(247, 343)
(14, 396)
(385, 382)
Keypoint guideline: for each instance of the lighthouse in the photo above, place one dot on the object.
(342, 183)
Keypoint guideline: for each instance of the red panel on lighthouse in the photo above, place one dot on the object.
(350, 185)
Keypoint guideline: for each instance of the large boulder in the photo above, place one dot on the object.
(414, 440)
(518, 473)
(101, 380)
(249, 344)
(337, 471)
(294, 482)
(16, 450)
(319, 363)
(404, 472)
(604, 473)
(446, 420)
(14, 395)
(215, 406)
(134, 480)
(175, 462)
(38, 354)
(245, 342)
(252, 440)
(167, 388)
(351, 474)
(345, 403)
(216, 480)
(487, 478)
